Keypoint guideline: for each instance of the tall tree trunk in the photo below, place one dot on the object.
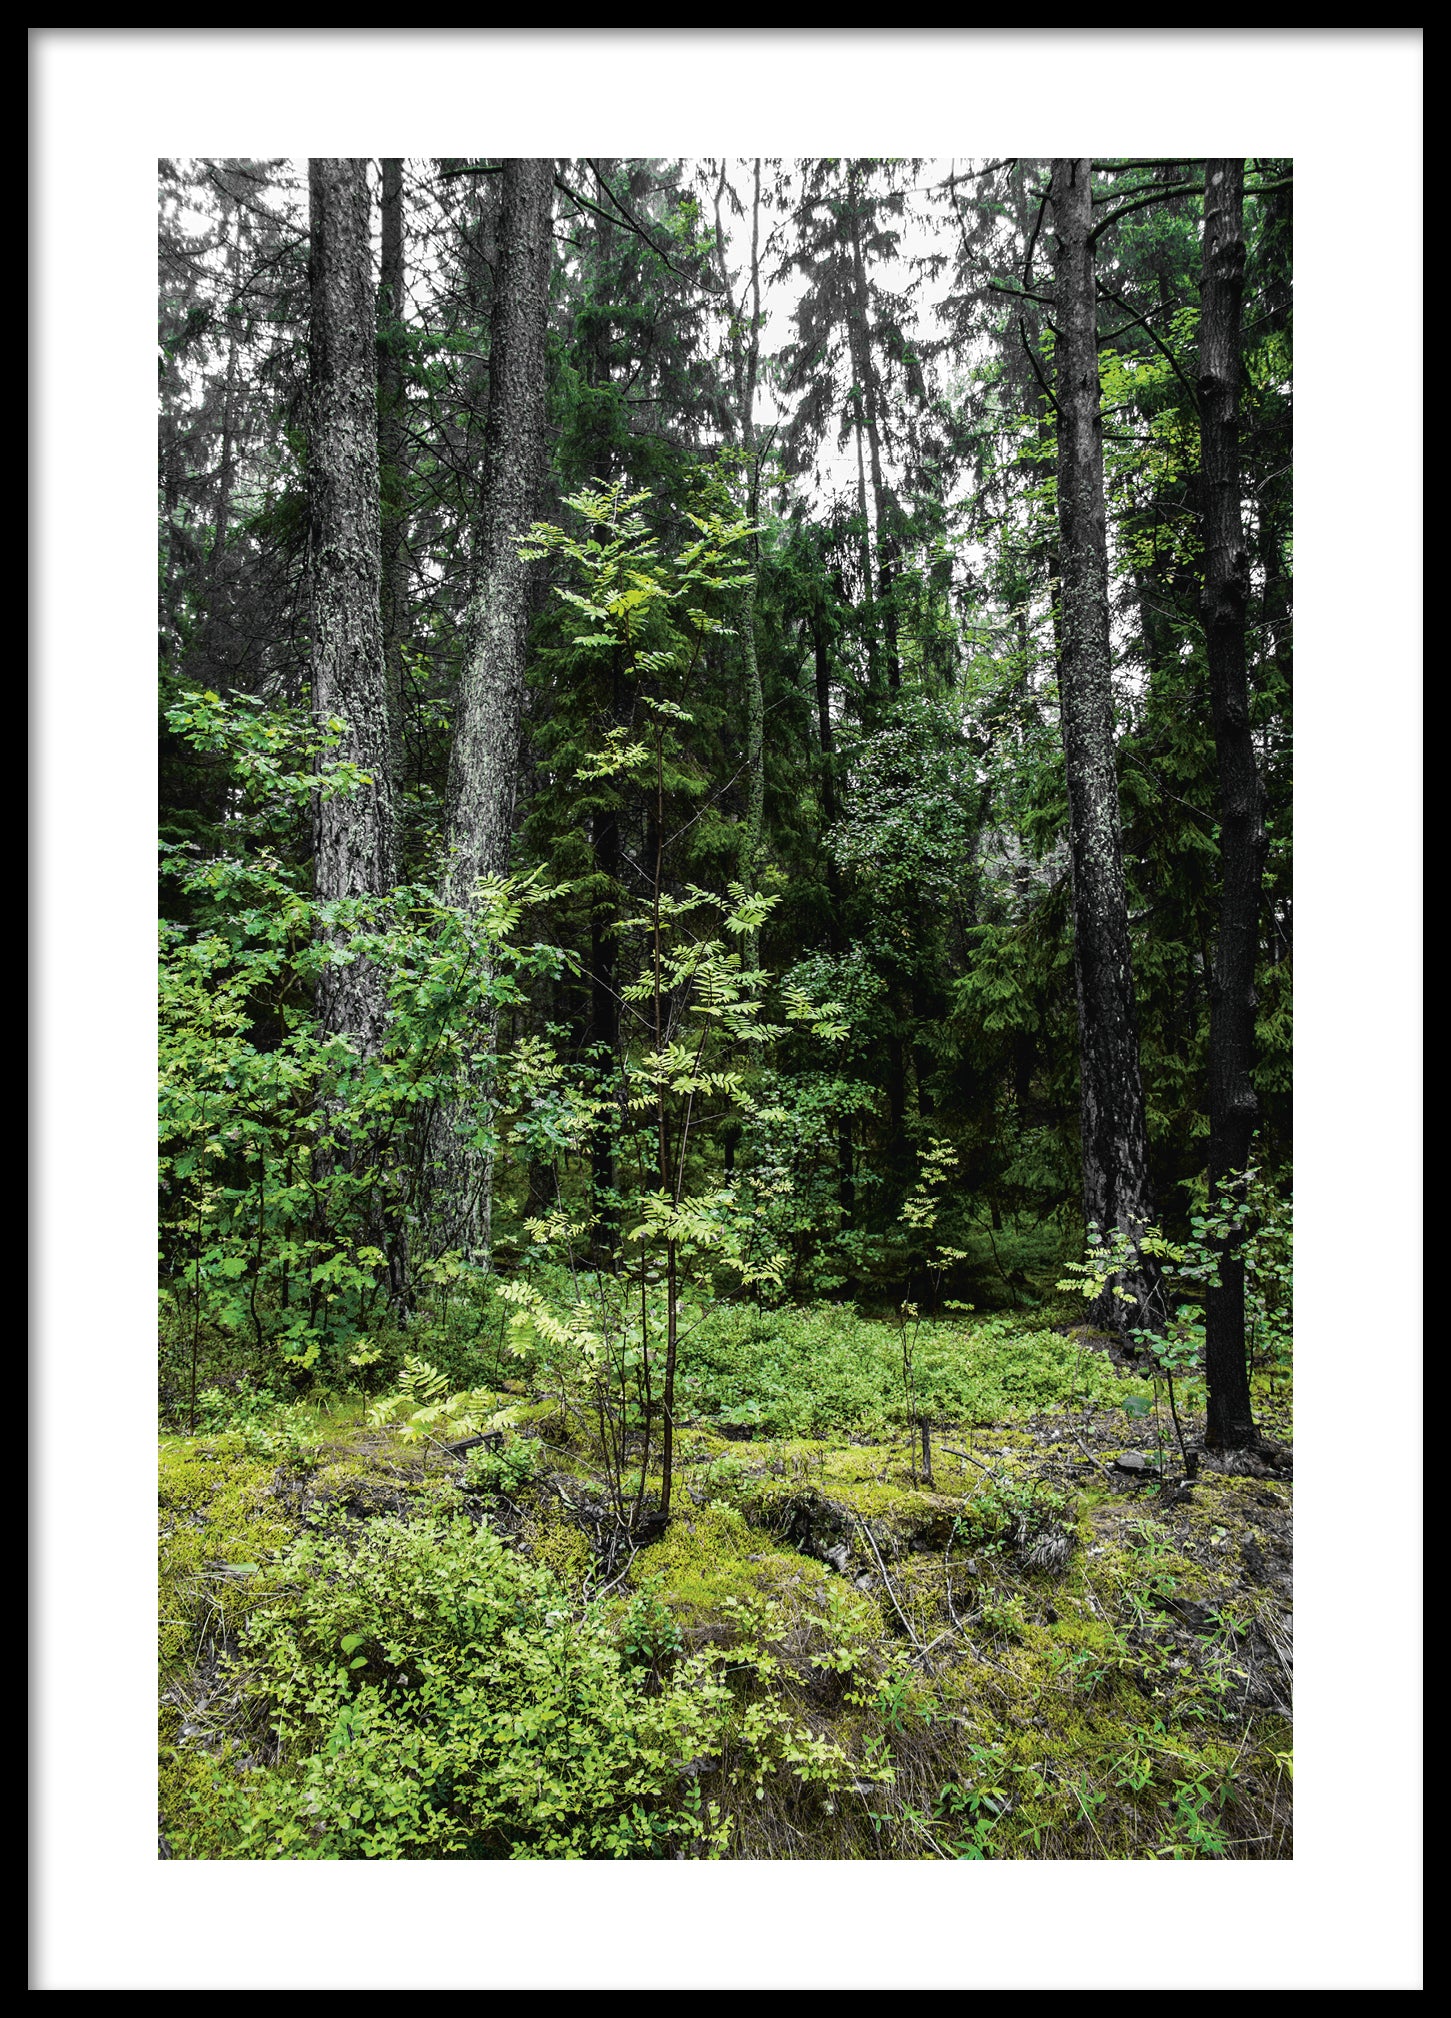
(825, 737)
(484, 763)
(1115, 1155)
(745, 362)
(864, 555)
(605, 1007)
(604, 1019)
(391, 436)
(353, 836)
(1233, 1106)
(846, 1175)
(864, 371)
(755, 698)
(215, 628)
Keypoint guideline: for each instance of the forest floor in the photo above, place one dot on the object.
(1054, 1646)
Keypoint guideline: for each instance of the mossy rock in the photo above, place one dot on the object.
(710, 1555)
(822, 1499)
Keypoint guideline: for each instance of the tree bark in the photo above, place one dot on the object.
(846, 1176)
(745, 359)
(605, 1006)
(1115, 1154)
(1233, 1106)
(391, 471)
(755, 698)
(865, 373)
(484, 763)
(825, 737)
(353, 836)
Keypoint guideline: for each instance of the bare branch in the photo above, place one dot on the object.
(1156, 340)
(1037, 227)
(1037, 369)
(1159, 196)
(694, 279)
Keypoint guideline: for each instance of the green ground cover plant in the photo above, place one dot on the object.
(414, 1656)
(725, 1130)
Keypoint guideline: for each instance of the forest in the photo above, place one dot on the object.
(725, 950)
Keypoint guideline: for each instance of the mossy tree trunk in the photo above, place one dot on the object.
(868, 411)
(353, 836)
(392, 434)
(484, 763)
(1116, 1192)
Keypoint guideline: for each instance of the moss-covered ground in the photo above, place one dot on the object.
(1052, 1645)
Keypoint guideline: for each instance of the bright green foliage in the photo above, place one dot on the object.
(505, 1469)
(683, 1247)
(696, 1021)
(441, 1700)
(1252, 1212)
(774, 1063)
(393, 1687)
(286, 1157)
(424, 1409)
(823, 1370)
(1258, 1218)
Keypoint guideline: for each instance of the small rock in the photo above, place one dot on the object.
(1131, 1461)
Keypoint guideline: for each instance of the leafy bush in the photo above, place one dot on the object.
(264, 1425)
(423, 1409)
(822, 1369)
(289, 1162)
(506, 1470)
(434, 1696)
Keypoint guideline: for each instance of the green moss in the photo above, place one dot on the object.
(965, 1702)
(560, 1546)
(365, 1486)
(711, 1554)
(218, 1517)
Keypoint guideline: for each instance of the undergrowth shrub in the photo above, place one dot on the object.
(259, 1421)
(434, 1695)
(823, 1369)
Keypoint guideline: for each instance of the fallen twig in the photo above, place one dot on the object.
(887, 1581)
(952, 1452)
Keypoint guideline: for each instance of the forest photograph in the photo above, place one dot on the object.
(726, 948)
(666, 1096)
